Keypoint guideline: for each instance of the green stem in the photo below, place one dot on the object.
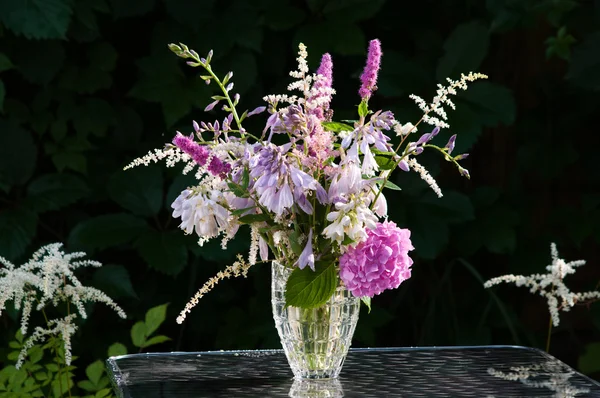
(549, 335)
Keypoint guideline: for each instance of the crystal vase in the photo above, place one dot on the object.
(315, 340)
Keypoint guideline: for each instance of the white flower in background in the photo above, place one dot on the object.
(49, 277)
(551, 285)
(425, 176)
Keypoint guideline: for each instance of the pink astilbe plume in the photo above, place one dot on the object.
(200, 154)
(326, 71)
(369, 75)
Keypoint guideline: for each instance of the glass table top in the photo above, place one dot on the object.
(482, 372)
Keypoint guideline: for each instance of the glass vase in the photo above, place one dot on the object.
(315, 340)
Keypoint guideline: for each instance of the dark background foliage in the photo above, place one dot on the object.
(88, 85)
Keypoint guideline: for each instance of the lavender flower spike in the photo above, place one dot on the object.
(369, 75)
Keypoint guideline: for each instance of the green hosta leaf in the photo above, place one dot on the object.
(295, 243)
(363, 109)
(95, 371)
(464, 49)
(156, 340)
(589, 361)
(252, 218)
(18, 154)
(37, 19)
(138, 334)
(337, 126)
(17, 229)
(114, 280)
(155, 317)
(117, 349)
(163, 251)
(309, 289)
(584, 68)
(55, 191)
(138, 190)
(385, 163)
(391, 185)
(5, 63)
(106, 231)
(367, 301)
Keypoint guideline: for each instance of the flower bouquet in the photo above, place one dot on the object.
(311, 190)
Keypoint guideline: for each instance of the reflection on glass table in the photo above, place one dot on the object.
(481, 372)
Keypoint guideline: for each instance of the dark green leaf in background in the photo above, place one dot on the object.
(464, 50)
(55, 191)
(17, 229)
(2, 94)
(18, 154)
(164, 251)
(138, 190)
(115, 281)
(124, 9)
(49, 53)
(37, 19)
(5, 63)
(105, 231)
(584, 68)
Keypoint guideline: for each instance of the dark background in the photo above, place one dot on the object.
(86, 86)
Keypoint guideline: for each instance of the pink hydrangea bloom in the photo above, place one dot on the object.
(379, 263)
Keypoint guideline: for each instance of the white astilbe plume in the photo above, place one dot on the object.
(443, 98)
(63, 328)
(425, 176)
(551, 285)
(49, 278)
(172, 155)
(551, 375)
(238, 268)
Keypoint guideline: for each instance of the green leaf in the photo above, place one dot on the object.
(391, 185)
(294, 242)
(280, 16)
(306, 288)
(104, 393)
(125, 9)
(95, 371)
(35, 354)
(5, 63)
(164, 251)
(352, 10)
(367, 301)
(37, 19)
(17, 229)
(105, 231)
(252, 218)
(138, 334)
(465, 49)
(385, 163)
(117, 349)
(114, 280)
(237, 190)
(18, 154)
(55, 191)
(93, 116)
(363, 109)
(155, 317)
(589, 361)
(139, 190)
(70, 160)
(49, 53)
(336, 126)
(156, 340)
(584, 68)
(87, 386)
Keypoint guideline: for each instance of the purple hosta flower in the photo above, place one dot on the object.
(307, 257)
(450, 145)
(322, 88)
(256, 111)
(383, 120)
(263, 249)
(200, 154)
(210, 106)
(204, 213)
(369, 75)
(379, 263)
(273, 172)
(351, 218)
(347, 180)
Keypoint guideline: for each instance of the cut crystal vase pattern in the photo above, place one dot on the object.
(315, 340)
